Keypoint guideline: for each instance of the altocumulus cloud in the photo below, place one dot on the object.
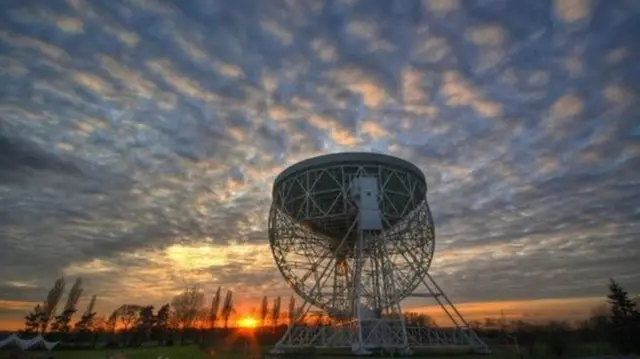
(139, 139)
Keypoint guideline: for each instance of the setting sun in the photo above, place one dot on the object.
(248, 322)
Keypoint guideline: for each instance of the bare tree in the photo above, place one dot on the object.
(227, 308)
(162, 323)
(275, 312)
(51, 303)
(111, 322)
(98, 325)
(186, 306)
(128, 314)
(215, 309)
(264, 311)
(202, 319)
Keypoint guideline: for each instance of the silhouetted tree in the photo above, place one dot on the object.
(128, 315)
(419, 319)
(86, 321)
(625, 330)
(86, 324)
(186, 307)
(491, 324)
(214, 310)
(51, 303)
(111, 322)
(61, 322)
(293, 311)
(202, 319)
(98, 325)
(161, 323)
(146, 321)
(33, 320)
(320, 318)
(275, 312)
(227, 308)
(264, 311)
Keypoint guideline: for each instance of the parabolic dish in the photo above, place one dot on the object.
(313, 237)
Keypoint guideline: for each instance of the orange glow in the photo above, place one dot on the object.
(248, 322)
(532, 310)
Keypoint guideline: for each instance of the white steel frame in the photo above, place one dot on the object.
(363, 301)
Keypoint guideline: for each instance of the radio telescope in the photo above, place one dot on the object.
(353, 236)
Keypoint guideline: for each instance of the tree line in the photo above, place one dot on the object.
(133, 322)
(186, 317)
(44, 316)
(612, 327)
(189, 318)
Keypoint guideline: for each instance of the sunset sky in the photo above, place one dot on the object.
(139, 141)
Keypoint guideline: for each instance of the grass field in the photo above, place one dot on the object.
(192, 352)
(178, 352)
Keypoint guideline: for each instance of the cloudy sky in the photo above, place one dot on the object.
(139, 139)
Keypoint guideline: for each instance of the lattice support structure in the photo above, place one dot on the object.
(353, 239)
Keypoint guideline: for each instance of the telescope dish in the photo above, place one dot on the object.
(313, 230)
(352, 235)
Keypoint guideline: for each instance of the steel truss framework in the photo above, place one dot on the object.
(358, 277)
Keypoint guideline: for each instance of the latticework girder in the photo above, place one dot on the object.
(358, 276)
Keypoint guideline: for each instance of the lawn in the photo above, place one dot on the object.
(192, 352)
(178, 352)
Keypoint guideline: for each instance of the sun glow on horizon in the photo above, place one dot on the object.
(248, 322)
